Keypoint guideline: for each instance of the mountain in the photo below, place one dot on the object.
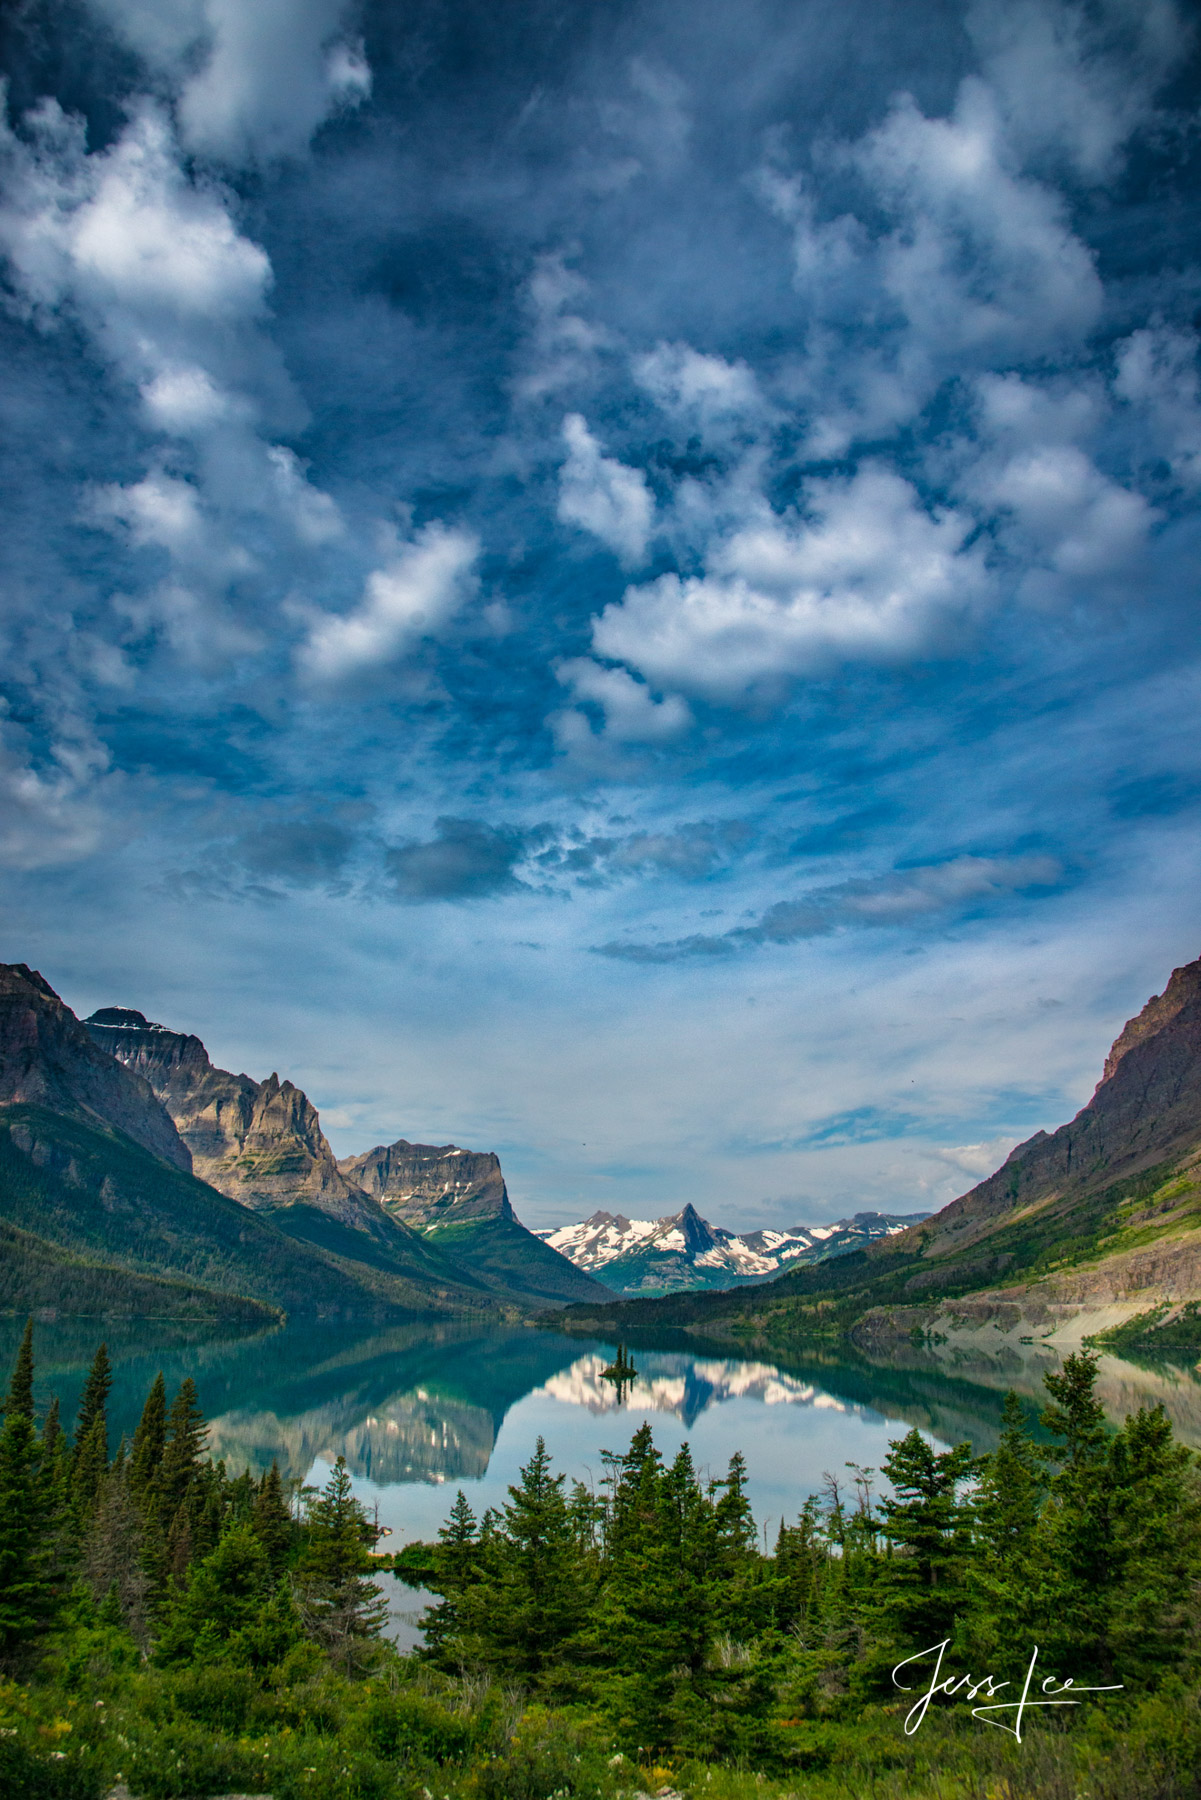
(685, 1253)
(47, 1059)
(100, 1209)
(459, 1197)
(260, 1143)
(1093, 1228)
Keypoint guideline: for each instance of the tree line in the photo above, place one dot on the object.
(654, 1600)
(192, 1630)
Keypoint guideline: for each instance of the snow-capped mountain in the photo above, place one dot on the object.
(656, 1256)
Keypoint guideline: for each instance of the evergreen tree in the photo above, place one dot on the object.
(1004, 1574)
(922, 1583)
(20, 1391)
(230, 1609)
(149, 1440)
(341, 1608)
(93, 1404)
(26, 1587)
(183, 1453)
(88, 1469)
(271, 1521)
(456, 1570)
(537, 1598)
(111, 1557)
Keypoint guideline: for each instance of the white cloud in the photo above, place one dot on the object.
(978, 1160)
(1157, 378)
(413, 596)
(564, 347)
(603, 496)
(632, 714)
(702, 390)
(152, 264)
(1074, 527)
(253, 81)
(981, 259)
(868, 574)
(1075, 81)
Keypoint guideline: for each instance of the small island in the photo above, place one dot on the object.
(621, 1371)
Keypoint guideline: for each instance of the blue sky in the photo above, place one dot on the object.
(614, 582)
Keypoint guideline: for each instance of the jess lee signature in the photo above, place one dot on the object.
(968, 1686)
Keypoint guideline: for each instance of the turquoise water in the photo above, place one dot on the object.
(420, 1410)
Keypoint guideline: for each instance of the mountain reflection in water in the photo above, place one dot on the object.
(424, 1404)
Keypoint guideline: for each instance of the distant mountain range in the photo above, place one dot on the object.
(1093, 1229)
(684, 1253)
(138, 1179)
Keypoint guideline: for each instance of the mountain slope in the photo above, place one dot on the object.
(260, 1143)
(1080, 1228)
(48, 1059)
(460, 1198)
(684, 1253)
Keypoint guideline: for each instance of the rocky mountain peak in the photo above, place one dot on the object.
(48, 1059)
(1183, 988)
(431, 1185)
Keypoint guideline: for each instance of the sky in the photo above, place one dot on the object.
(610, 581)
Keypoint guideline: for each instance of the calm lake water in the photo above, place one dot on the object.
(420, 1410)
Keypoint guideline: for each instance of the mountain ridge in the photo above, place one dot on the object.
(683, 1252)
(1080, 1229)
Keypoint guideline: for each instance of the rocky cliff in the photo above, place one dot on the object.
(429, 1186)
(1145, 1115)
(458, 1199)
(47, 1059)
(259, 1142)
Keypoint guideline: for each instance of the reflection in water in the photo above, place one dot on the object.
(424, 1404)
(683, 1385)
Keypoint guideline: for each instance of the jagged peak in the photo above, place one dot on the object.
(1183, 985)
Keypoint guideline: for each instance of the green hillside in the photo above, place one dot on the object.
(510, 1261)
(106, 1200)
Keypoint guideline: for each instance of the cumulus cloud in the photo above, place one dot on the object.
(416, 593)
(704, 392)
(564, 347)
(690, 852)
(897, 898)
(466, 860)
(153, 266)
(1075, 81)
(1073, 527)
(866, 574)
(1157, 378)
(252, 81)
(630, 712)
(603, 496)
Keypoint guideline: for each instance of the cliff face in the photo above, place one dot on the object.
(48, 1059)
(1145, 1112)
(429, 1186)
(259, 1142)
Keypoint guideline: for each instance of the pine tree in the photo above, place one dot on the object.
(927, 1524)
(111, 1559)
(341, 1609)
(20, 1392)
(230, 1609)
(457, 1569)
(1004, 1575)
(146, 1451)
(26, 1588)
(93, 1402)
(271, 1521)
(88, 1469)
(183, 1452)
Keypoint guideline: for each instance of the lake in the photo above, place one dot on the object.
(419, 1410)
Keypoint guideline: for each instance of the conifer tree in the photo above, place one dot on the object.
(146, 1451)
(88, 1469)
(26, 1590)
(183, 1451)
(927, 1525)
(20, 1391)
(457, 1569)
(230, 1609)
(93, 1404)
(111, 1557)
(271, 1521)
(341, 1608)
